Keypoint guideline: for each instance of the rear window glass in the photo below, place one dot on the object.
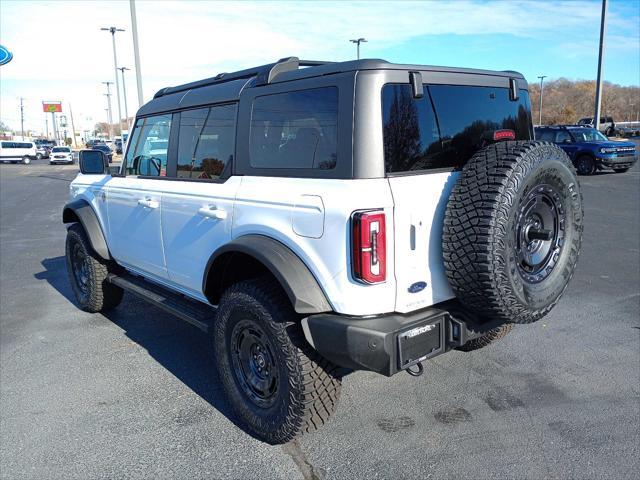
(448, 125)
(295, 130)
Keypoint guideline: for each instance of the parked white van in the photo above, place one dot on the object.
(15, 152)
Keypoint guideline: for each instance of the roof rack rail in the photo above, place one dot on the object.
(264, 74)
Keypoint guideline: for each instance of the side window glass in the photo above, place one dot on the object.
(563, 136)
(206, 141)
(295, 130)
(147, 153)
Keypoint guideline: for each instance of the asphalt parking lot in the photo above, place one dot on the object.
(133, 394)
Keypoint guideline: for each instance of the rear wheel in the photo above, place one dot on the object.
(585, 165)
(621, 170)
(276, 383)
(513, 231)
(88, 274)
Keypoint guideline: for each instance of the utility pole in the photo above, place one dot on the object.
(46, 125)
(124, 94)
(109, 115)
(22, 117)
(542, 77)
(73, 127)
(55, 127)
(136, 50)
(603, 32)
(113, 31)
(358, 41)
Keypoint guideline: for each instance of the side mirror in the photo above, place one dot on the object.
(566, 140)
(92, 162)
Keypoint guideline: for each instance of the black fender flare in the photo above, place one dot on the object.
(292, 273)
(81, 211)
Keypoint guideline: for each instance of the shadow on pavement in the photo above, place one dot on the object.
(180, 348)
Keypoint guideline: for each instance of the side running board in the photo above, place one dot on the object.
(191, 311)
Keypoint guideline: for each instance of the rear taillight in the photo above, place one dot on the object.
(369, 243)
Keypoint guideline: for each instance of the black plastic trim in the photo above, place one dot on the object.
(88, 218)
(294, 276)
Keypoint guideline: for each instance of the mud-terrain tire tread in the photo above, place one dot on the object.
(102, 295)
(487, 339)
(314, 382)
(475, 227)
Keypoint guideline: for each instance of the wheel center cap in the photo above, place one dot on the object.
(260, 360)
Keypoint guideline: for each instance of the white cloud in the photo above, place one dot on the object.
(184, 41)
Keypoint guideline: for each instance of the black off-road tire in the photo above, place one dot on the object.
(95, 293)
(304, 388)
(505, 194)
(487, 339)
(621, 170)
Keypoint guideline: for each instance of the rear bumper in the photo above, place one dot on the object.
(388, 344)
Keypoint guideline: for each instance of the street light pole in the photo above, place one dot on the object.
(358, 41)
(136, 50)
(109, 115)
(113, 31)
(603, 32)
(542, 77)
(124, 95)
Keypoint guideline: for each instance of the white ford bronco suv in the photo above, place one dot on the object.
(317, 218)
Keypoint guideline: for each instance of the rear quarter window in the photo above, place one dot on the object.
(296, 130)
(445, 127)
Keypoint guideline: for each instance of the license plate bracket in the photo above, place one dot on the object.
(420, 342)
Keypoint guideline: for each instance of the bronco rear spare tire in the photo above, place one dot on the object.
(513, 230)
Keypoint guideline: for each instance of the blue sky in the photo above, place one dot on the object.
(189, 40)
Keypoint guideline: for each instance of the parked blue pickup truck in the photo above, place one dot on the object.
(589, 149)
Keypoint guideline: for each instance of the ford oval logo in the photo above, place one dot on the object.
(5, 55)
(417, 287)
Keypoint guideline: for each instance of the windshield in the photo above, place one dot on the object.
(61, 149)
(588, 135)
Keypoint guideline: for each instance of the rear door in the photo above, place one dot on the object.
(424, 153)
(197, 208)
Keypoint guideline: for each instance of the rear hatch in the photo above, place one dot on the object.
(426, 142)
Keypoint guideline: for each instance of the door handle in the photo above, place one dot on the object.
(212, 212)
(148, 203)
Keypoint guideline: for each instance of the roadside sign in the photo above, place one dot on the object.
(5, 55)
(52, 107)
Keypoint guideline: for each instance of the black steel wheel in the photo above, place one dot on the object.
(585, 165)
(539, 233)
(79, 266)
(254, 363)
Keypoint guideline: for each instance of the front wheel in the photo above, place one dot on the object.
(26, 160)
(88, 274)
(278, 386)
(38, 156)
(585, 165)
